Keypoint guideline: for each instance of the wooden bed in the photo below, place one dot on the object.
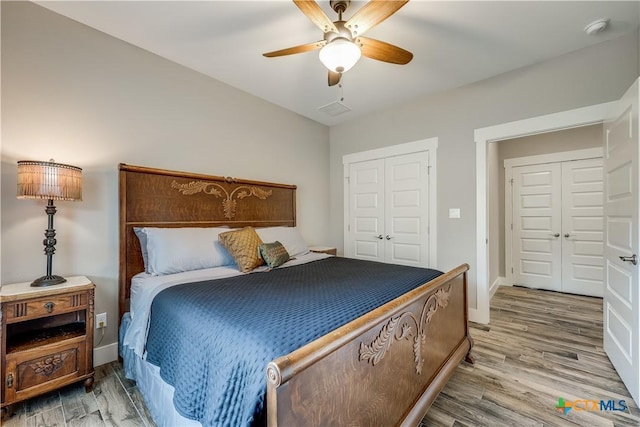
(384, 368)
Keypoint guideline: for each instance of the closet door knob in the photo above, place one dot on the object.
(567, 235)
(379, 236)
(388, 237)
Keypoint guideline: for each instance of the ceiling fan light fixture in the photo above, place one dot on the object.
(340, 55)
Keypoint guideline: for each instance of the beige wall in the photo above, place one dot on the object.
(82, 97)
(546, 143)
(590, 76)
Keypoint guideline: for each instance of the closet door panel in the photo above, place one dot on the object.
(366, 208)
(537, 225)
(582, 227)
(407, 209)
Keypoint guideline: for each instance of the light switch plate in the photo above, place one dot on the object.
(454, 212)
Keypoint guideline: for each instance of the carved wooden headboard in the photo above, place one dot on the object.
(162, 198)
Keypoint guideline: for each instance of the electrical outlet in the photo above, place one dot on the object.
(101, 320)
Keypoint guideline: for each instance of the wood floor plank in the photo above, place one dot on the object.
(16, 417)
(114, 403)
(93, 419)
(539, 346)
(51, 418)
(528, 403)
(596, 372)
(138, 401)
(458, 388)
(489, 352)
(126, 383)
(42, 403)
(80, 408)
(103, 371)
(437, 418)
(489, 414)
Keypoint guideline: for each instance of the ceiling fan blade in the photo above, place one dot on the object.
(334, 78)
(316, 15)
(371, 14)
(382, 51)
(296, 49)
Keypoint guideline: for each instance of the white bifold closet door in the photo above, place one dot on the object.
(558, 226)
(389, 209)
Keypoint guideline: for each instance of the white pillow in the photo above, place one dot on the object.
(173, 250)
(290, 238)
(142, 238)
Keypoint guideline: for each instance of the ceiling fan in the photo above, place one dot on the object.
(343, 42)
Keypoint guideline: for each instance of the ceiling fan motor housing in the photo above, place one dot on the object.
(339, 6)
(343, 32)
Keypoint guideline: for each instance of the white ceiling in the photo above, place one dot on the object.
(454, 43)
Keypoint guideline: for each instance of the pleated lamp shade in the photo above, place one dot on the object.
(49, 180)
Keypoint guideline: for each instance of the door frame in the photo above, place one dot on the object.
(509, 164)
(483, 137)
(430, 145)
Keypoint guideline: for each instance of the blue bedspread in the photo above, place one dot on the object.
(212, 340)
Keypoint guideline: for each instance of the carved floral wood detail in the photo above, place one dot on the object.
(402, 327)
(228, 203)
(51, 364)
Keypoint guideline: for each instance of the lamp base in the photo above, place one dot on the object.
(48, 281)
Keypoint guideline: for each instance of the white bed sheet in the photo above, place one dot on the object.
(157, 394)
(145, 287)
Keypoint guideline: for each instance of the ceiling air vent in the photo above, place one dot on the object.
(334, 108)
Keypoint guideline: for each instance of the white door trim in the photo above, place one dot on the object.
(431, 145)
(483, 136)
(563, 156)
(509, 164)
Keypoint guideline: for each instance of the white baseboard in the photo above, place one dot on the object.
(500, 281)
(105, 354)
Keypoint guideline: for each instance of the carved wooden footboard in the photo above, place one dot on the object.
(383, 369)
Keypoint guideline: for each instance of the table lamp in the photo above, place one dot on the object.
(51, 181)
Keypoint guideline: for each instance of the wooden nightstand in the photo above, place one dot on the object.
(323, 250)
(46, 338)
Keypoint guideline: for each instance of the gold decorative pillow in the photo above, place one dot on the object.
(243, 247)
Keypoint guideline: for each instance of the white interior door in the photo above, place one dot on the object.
(582, 222)
(621, 294)
(407, 209)
(536, 226)
(366, 210)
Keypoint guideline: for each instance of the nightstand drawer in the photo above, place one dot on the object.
(48, 306)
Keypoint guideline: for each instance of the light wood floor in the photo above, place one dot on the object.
(539, 346)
